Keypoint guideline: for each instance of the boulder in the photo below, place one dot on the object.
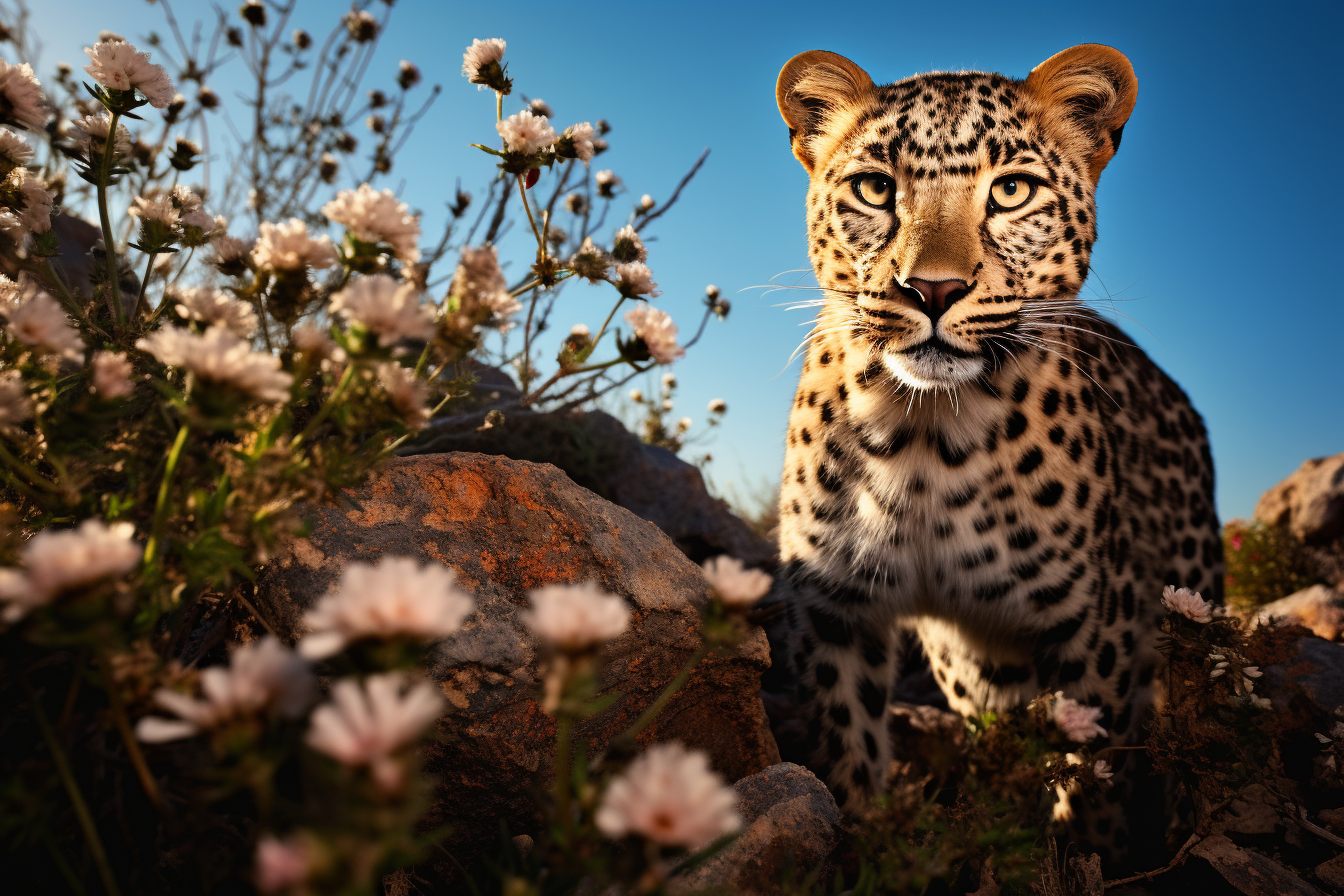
(790, 825)
(1319, 608)
(1250, 872)
(506, 527)
(1310, 502)
(1311, 680)
(600, 454)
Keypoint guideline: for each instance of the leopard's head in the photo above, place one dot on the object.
(950, 215)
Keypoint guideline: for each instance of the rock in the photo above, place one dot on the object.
(600, 454)
(1319, 608)
(1331, 873)
(790, 825)
(509, 526)
(1251, 872)
(1310, 502)
(1311, 680)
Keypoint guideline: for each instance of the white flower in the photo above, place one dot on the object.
(42, 323)
(670, 796)
(541, 107)
(1102, 770)
(684, 424)
(91, 131)
(733, 583)
(1076, 721)
(590, 261)
(21, 99)
(377, 217)
(56, 560)
(526, 133)
(635, 279)
(282, 864)
(407, 393)
(636, 395)
(1188, 603)
(111, 375)
(576, 617)
(718, 406)
(397, 597)
(32, 213)
(387, 307)
(646, 202)
(580, 330)
(15, 406)
(288, 247)
(480, 54)
(263, 676)
(158, 208)
(215, 306)
(667, 404)
(119, 66)
(607, 178)
(14, 150)
(627, 246)
(10, 296)
(229, 251)
(581, 135)
(314, 340)
(479, 282)
(365, 726)
(670, 380)
(656, 328)
(220, 358)
(1260, 703)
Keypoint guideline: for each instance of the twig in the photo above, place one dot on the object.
(644, 220)
(1176, 862)
(133, 751)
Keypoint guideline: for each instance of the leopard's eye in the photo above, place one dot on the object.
(876, 190)
(1008, 193)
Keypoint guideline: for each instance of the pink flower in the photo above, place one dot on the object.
(282, 864)
(1076, 721)
(670, 796)
(1188, 603)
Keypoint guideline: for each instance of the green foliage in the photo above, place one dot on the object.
(1263, 562)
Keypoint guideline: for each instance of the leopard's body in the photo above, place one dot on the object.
(998, 470)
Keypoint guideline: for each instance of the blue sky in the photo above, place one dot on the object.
(1219, 217)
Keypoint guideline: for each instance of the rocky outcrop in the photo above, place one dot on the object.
(1310, 502)
(600, 454)
(509, 526)
(1319, 608)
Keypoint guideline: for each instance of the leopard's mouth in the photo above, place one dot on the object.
(933, 364)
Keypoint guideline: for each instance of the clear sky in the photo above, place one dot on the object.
(1219, 218)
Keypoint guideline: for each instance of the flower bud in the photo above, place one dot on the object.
(328, 168)
(254, 13)
(576, 203)
(721, 308)
(461, 201)
(233, 37)
(603, 126)
(541, 107)
(302, 39)
(207, 98)
(363, 27)
(184, 154)
(174, 109)
(346, 143)
(408, 75)
(376, 123)
(607, 182)
(711, 293)
(599, 146)
(377, 99)
(646, 202)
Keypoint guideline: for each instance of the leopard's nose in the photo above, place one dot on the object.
(935, 296)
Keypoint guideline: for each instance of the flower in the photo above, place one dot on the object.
(42, 322)
(119, 66)
(91, 131)
(684, 424)
(1076, 721)
(387, 307)
(670, 380)
(607, 182)
(158, 208)
(14, 151)
(377, 217)
(314, 340)
(1260, 703)
(32, 211)
(525, 133)
(111, 375)
(220, 358)
(576, 142)
(263, 676)
(480, 63)
(215, 306)
(637, 395)
(646, 202)
(287, 247)
(718, 406)
(56, 560)
(627, 246)
(282, 864)
(671, 796)
(590, 262)
(363, 27)
(541, 107)
(733, 583)
(365, 725)
(1188, 603)
(479, 282)
(15, 406)
(635, 279)
(230, 254)
(10, 297)
(407, 393)
(408, 74)
(576, 617)
(396, 597)
(21, 99)
(656, 328)
(1102, 770)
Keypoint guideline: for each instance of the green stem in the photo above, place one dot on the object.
(165, 487)
(123, 724)
(527, 207)
(563, 731)
(327, 406)
(610, 314)
(143, 301)
(34, 477)
(499, 106)
(104, 170)
(646, 718)
(72, 790)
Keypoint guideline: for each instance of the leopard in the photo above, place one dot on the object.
(980, 465)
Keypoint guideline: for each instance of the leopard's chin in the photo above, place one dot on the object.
(933, 365)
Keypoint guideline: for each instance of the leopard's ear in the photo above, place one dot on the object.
(1088, 93)
(814, 90)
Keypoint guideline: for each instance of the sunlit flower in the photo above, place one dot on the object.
(576, 142)
(670, 796)
(607, 182)
(32, 213)
(576, 617)
(635, 279)
(1076, 721)
(42, 323)
(14, 151)
(540, 107)
(396, 597)
(158, 208)
(407, 392)
(590, 261)
(718, 406)
(218, 357)
(288, 247)
(684, 424)
(637, 395)
(282, 864)
(479, 282)
(481, 61)
(91, 132)
(735, 584)
(15, 406)
(10, 296)
(111, 375)
(656, 328)
(526, 133)
(56, 560)
(646, 202)
(366, 726)
(1188, 603)
(263, 676)
(627, 246)
(119, 66)
(393, 309)
(215, 306)
(1102, 770)
(21, 99)
(377, 217)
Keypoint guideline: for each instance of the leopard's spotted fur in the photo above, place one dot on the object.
(1014, 480)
